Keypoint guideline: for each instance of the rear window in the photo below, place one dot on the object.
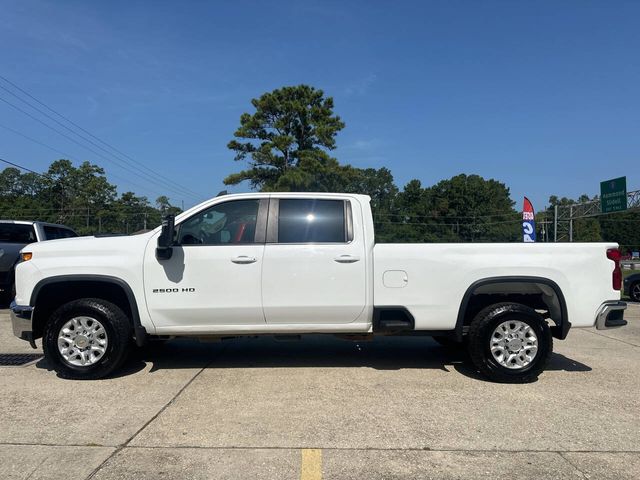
(54, 233)
(17, 233)
(311, 221)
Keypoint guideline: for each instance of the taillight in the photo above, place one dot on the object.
(614, 255)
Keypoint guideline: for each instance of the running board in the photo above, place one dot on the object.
(392, 319)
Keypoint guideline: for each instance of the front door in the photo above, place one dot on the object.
(314, 268)
(214, 275)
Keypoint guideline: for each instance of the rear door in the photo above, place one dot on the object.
(314, 268)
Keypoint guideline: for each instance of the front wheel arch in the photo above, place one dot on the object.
(50, 293)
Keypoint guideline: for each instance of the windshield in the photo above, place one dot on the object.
(17, 233)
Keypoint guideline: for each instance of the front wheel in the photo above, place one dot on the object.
(510, 343)
(87, 339)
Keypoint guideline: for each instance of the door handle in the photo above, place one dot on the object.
(347, 259)
(243, 259)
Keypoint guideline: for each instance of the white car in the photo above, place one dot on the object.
(296, 263)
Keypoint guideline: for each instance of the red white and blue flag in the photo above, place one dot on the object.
(528, 222)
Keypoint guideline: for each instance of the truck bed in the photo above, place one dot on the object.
(430, 280)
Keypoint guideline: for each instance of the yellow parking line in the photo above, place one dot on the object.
(311, 464)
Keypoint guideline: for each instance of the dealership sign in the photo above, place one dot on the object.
(528, 222)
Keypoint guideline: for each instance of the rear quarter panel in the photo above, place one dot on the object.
(439, 275)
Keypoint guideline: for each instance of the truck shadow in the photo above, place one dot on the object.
(313, 351)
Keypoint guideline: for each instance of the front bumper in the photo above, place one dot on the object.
(21, 321)
(611, 315)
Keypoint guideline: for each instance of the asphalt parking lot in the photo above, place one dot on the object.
(326, 408)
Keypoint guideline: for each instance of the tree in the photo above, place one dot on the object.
(477, 209)
(623, 228)
(286, 141)
(80, 197)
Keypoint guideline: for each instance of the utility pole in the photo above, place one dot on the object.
(571, 223)
(555, 223)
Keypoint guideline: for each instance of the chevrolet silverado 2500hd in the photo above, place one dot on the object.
(295, 263)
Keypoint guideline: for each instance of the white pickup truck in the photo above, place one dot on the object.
(296, 263)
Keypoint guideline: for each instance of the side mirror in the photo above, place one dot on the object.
(165, 240)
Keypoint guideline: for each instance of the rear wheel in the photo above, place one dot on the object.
(634, 292)
(87, 339)
(510, 343)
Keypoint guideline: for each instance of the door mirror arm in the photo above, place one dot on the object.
(164, 251)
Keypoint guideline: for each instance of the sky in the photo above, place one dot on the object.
(543, 96)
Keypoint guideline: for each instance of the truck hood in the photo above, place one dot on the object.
(89, 245)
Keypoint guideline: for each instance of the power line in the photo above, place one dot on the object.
(71, 157)
(447, 217)
(151, 171)
(67, 128)
(22, 168)
(437, 224)
(118, 162)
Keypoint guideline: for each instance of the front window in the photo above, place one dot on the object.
(227, 223)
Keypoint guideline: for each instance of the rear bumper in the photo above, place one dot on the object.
(611, 315)
(21, 316)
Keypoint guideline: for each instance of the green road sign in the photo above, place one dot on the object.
(613, 195)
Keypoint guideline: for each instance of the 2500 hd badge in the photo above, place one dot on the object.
(174, 290)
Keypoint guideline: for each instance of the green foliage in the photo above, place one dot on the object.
(80, 197)
(286, 143)
(623, 228)
(465, 208)
(287, 139)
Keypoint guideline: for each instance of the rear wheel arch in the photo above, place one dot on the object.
(527, 290)
(51, 293)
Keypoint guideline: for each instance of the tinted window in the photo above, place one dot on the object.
(302, 221)
(226, 223)
(54, 233)
(17, 233)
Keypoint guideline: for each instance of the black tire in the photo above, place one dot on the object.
(481, 331)
(116, 325)
(634, 291)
